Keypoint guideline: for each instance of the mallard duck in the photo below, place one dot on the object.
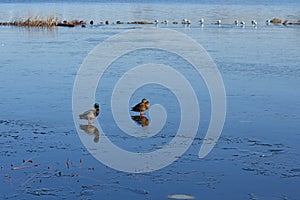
(90, 114)
(141, 107)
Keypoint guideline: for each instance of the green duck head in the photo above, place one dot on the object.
(96, 106)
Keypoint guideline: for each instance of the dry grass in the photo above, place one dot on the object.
(42, 22)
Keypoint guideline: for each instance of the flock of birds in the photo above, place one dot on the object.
(145, 104)
(93, 113)
(218, 22)
(187, 22)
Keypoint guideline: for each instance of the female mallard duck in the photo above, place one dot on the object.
(90, 114)
(141, 107)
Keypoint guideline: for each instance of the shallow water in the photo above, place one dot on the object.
(257, 156)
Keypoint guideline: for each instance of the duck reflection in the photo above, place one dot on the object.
(141, 120)
(91, 130)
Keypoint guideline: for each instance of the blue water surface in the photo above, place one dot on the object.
(257, 155)
(217, 2)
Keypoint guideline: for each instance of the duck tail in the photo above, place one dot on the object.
(135, 109)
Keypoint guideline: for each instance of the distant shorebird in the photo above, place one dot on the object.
(141, 107)
(254, 23)
(243, 23)
(166, 22)
(156, 21)
(201, 21)
(268, 22)
(185, 21)
(90, 114)
(219, 22)
(236, 22)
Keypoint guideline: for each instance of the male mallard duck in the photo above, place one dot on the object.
(90, 114)
(141, 107)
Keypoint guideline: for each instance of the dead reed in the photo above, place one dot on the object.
(42, 22)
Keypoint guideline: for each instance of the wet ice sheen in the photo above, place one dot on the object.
(256, 157)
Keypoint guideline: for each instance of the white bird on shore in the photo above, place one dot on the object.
(201, 21)
(268, 22)
(219, 22)
(166, 22)
(243, 23)
(90, 114)
(184, 21)
(236, 22)
(156, 21)
(254, 23)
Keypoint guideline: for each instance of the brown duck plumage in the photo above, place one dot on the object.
(141, 107)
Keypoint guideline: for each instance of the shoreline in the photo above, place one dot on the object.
(53, 21)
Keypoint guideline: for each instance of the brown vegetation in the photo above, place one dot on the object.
(42, 22)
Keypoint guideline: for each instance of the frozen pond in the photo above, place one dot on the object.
(256, 157)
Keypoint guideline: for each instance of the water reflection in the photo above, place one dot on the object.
(141, 120)
(91, 130)
(37, 31)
